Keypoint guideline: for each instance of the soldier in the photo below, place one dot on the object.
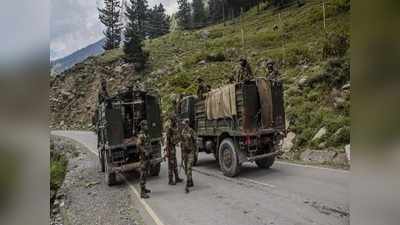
(202, 89)
(243, 72)
(188, 148)
(273, 74)
(144, 146)
(103, 93)
(172, 141)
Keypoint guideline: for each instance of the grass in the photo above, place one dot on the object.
(58, 167)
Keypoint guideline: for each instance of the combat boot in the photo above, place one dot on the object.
(147, 190)
(178, 179)
(190, 183)
(143, 194)
(187, 189)
(171, 181)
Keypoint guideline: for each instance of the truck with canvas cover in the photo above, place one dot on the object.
(242, 122)
(117, 125)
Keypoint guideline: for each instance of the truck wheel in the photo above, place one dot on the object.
(155, 170)
(110, 177)
(101, 161)
(265, 163)
(228, 158)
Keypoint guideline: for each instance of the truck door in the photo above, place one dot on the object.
(153, 116)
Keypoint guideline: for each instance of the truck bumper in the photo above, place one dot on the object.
(263, 156)
(133, 166)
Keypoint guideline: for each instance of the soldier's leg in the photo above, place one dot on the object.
(189, 168)
(143, 193)
(170, 169)
(177, 178)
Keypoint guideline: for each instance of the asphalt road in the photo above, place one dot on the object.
(286, 194)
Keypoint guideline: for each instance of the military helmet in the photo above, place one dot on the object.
(270, 62)
(200, 79)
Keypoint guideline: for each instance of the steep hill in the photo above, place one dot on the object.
(314, 63)
(60, 65)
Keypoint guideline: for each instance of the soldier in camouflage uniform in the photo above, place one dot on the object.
(243, 72)
(188, 148)
(144, 146)
(272, 73)
(172, 140)
(103, 93)
(202, 89)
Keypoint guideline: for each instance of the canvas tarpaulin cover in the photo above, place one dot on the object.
(221, 103)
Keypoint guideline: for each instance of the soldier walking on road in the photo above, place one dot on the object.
(144, 146)
(188, 148)
(172, 141)
(243, 72)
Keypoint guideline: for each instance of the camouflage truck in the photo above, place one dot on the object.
(117, 126)
(248, 129)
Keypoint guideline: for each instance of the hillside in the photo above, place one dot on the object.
(315, 68)
(60, 65)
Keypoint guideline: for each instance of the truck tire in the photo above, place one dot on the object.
(101, 161)
(228, 157)
(265, 163)
(110, 177)
(155, 170)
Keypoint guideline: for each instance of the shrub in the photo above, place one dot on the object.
(335, 45)
(342, 5)
(215, 57)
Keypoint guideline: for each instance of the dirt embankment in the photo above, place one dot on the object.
(84, 198)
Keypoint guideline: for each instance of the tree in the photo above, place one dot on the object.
(184, 14)
(109, 16)
(159, 22)
(215, 10)
(199, 13)
(136, 14)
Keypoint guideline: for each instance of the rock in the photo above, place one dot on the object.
(317, 156)
(204, 34)
(288, 142)
(319, 134)
(302, 81)
(339, 102)
(322, 145)
(118, 69)
(340, 159)
(346, 86)
(347, 150)
(62, 123)
(202, 62)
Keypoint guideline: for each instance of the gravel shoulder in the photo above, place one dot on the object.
(85, 199)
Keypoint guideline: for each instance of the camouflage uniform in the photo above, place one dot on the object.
(143, 144)
(188, 148)
(273, 74)
(202, 89)
(172, 140)
(103, 93)
(243, 72)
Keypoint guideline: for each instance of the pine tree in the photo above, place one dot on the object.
(159, 23)
(109, 16)
(199, 13)
(184, 14)
(215, 10)
(135, 32)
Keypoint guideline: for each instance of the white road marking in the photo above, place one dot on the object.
(148, 209)
(312, 167)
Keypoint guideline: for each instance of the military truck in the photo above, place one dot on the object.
(242, 122)
(117, 126)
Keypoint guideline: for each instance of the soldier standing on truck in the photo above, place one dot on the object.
(202, 89)
(188, 148)
(172, 141)
(243, 71)
(272, 73)
(144, 146)
(103, 93)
